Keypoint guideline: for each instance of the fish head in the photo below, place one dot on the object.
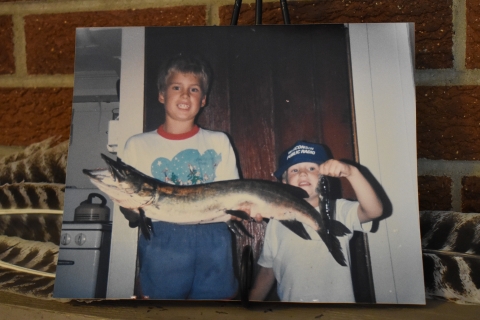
(122, 183)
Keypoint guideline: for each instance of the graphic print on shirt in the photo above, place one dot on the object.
(188, 167)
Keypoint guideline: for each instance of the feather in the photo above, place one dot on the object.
(35, 255)
(31, 149)
(36, 227)
(27, 267)
(26, 284)
(41, 166)
(32, 195)
(451, 260)
(31, 203)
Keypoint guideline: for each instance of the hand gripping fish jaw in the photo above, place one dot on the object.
(215, 202)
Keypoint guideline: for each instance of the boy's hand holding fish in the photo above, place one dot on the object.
(370, 206)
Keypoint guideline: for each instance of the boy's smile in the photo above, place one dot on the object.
(305, 175)
(183, 98)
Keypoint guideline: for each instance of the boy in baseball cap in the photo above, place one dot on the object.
(304, 269)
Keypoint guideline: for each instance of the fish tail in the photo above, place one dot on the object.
(334, 246)
(338, 229)
(297, 228)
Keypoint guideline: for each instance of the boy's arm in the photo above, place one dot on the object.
(263, 283)
(370, 205)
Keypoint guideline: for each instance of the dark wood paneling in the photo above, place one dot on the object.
(332, 83)
(269, 90)
(251, 102)
(296, 117)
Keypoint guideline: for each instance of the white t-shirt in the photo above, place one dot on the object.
(199, 156)
(305, 270)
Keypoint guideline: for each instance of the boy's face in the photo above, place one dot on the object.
(183, 97)
(305, 175)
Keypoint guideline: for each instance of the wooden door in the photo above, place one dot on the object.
(272, 86)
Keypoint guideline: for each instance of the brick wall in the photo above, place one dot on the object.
(37, 54)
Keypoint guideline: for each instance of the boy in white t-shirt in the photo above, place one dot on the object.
(184, 261)
(304, 269)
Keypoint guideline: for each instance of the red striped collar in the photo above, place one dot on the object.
(181, 136)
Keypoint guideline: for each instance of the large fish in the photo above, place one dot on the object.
(215, 202)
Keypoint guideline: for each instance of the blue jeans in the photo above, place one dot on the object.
(187, 262)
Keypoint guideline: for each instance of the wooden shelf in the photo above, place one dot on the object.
(14, 306)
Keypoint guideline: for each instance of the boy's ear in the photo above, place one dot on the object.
(204, 100)
(161, 97)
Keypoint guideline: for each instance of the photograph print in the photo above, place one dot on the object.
(212, 141)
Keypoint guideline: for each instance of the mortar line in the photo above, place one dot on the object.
(19, 43)
(455, 170)
(213, 15)
(447, 77)
(459, 21)
(27, 8)
(37, 81)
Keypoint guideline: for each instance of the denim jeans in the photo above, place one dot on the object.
(187, 262)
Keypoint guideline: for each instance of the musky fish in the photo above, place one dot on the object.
(215, 202)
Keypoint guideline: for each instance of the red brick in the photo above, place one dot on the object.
(433, 21)
(448, 123)
(473, 35)
(7, 60)
(434, 193)
(470, 192)
(51, 37)
(32, 115)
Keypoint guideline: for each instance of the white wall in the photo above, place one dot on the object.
(123, 254)
(384, 97)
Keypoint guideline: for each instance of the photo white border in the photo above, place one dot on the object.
(384, 95)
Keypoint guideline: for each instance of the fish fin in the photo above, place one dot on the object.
(238, 228)
(132, 216)
(297, 228)
(239, 214)
(145, 224)
(338, 229)
(334, 246)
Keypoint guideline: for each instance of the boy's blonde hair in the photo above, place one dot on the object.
(185, 63)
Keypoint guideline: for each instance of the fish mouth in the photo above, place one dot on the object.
(114, 168)
(90, 173)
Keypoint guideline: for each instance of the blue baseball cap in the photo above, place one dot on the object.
(301, 151)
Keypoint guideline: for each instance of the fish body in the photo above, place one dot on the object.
(213, 202)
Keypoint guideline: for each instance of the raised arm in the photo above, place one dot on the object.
(370, 205)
